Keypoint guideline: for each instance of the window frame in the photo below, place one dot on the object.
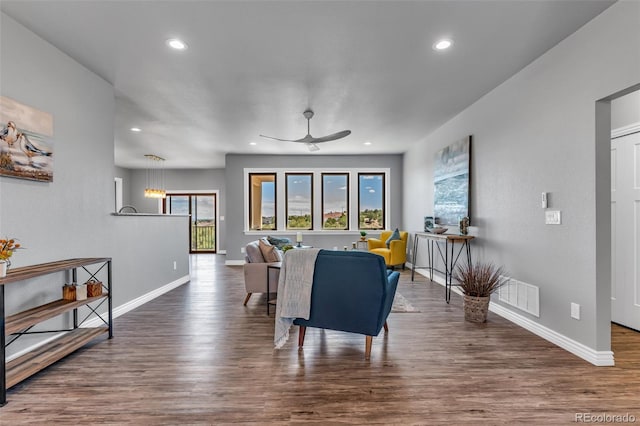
(275, 201)
(347, 205)
(384, 201)
(286, 199)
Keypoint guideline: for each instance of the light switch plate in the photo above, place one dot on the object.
(544, 200)
(552, 217)
(575, 311)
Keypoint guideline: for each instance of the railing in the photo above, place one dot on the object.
(203, 237)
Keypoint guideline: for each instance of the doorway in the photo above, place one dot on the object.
(625, 235)
(202, 210)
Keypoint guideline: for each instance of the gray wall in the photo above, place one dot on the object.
(125, 174)
(536, 133)
(182, 180)
(71, 216)
(625, 111)
(235, 165)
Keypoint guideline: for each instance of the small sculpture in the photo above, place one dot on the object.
(464, 226)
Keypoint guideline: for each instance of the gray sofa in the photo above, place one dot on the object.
(255, 268)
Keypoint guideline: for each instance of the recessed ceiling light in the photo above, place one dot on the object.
(367, 143)
(253, 143)
(443, 44)
(136, 129)
(176, 44)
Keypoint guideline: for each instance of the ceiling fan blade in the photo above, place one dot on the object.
(278, 139)
(332, 137)
(313, 147)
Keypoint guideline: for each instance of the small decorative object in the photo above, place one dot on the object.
(69, 292)
(477, 282)
(7, 247)
(345, 248)
(287, 247)
(94, 288)
(428, 223)
(299, 239)
(353, 245)
(439, 230)
(363, 235)
(81, 291)
(464, 226)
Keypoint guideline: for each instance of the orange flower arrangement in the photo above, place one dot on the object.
(7, 247)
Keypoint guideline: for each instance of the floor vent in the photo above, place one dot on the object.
(521, 295)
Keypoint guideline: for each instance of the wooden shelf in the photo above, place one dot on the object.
(42, 357)
(33, 316)
(19, 323)
(26, 272)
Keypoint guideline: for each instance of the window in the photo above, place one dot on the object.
(262, 201)
(299, 199)
(371, 201)
(335, 201)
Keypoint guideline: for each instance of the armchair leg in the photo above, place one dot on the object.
(386, 327)
(303, 329)
(246, 299)
(367, 350)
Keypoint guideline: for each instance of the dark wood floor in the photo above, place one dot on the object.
(197, 356)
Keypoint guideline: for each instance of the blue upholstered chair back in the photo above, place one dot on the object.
(351, 292)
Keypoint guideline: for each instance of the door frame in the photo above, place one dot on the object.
(215, 192)
(618, 133)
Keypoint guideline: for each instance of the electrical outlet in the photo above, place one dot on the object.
(552, 217)
(544, 200)
(575, 311)
(242, 250)
(175, 265)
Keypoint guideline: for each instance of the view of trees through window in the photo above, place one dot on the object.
(262, 201)
(371, 200)
(299, 200)
(335, 207)
(335, 201)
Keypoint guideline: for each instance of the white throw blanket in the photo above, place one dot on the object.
(294, 291)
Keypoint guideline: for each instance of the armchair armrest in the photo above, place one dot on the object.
(392, 285)
(376, 243)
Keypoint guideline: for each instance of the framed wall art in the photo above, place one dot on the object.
(26, 141)
(451, 182)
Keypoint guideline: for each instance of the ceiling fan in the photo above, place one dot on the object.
(309, 140)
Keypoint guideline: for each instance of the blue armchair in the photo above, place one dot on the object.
(352, 292)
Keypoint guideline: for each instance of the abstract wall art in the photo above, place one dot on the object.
(451, 180)
(26, 141)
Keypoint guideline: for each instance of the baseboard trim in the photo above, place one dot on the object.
(598, 358)
(120, 310)
(234, 262)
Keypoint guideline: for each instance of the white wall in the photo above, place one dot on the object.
(71, 217)
(625, 110)
(535, 133)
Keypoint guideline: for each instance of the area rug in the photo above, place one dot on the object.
(402, 305)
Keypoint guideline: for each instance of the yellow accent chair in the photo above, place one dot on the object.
(396, 253)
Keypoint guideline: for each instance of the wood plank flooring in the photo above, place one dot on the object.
(198, 356)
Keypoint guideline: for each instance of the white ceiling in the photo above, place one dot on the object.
(253, 67)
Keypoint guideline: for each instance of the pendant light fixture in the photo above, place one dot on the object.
(155, 177)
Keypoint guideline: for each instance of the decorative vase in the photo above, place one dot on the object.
(476, 308)
(4, 265)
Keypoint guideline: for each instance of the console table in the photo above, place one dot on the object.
(445, 244)
(20, 324)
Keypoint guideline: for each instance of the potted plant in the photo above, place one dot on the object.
(7, 247)
(477, 282)
(363, 235)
